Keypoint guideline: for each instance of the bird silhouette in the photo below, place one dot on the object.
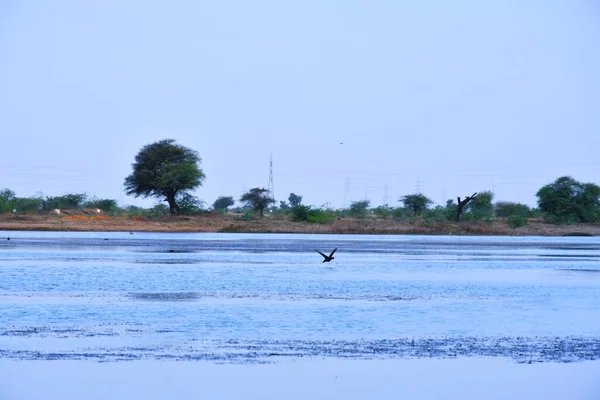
(326, 257)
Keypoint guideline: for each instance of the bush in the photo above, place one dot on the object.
(402, 214)
(516, 221)
(505, 209)
(383, 211)
(28, 204)
(102, 204)
(300, 213)
(438, 214)
(67, 201)
(359, 208)
(248, 216)
(319, 217)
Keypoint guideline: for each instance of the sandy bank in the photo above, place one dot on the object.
(220, 223)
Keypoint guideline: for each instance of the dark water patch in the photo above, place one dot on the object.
(45, 331)
(40, 331)
(169, 261)
(563, 256)
(182, 261)
(166, 296)
(161, 251)
(350, 244)
(280, 296)
(519, 349)
(586, 270)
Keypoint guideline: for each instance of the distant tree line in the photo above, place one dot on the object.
(169, 172)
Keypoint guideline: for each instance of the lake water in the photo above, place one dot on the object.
(260, 297)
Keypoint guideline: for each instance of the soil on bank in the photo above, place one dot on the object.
(230, 223)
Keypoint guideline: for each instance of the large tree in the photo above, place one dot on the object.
(416, 202)
(223, 203)
(294, 200)
(568, 200)
(164, 170)
(258, 199)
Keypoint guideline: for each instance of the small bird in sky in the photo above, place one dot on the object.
(326, 257)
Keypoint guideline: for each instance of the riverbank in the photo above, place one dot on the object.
(231, 223)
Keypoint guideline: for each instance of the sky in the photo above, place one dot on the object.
(354, 100)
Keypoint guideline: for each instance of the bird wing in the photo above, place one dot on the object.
(320, 253)
(333, 252)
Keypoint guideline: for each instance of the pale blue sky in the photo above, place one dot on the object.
(452, 96)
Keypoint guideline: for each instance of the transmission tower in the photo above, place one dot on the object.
(271, 187)
(347, 196)
(385, 194)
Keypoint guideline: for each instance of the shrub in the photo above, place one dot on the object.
(359, 208)
(300, 213)
(319, 217)
(402, 214)
(246, 217)
(383, 211)
(505, 209)
(516, 221)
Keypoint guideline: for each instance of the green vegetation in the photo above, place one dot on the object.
(416, 202)
(480, 208)
(165, 170)
(7, 200)
(294, 200)
(169, 172)
(516, 221)
(223, 203)
(567, 201)
(257, 199)
(359, 208)
(301, 213)
(507, 209)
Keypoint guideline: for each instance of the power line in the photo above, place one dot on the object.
(271, 187)
(385, 194)
(347, 196)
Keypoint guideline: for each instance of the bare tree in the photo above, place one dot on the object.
(462, 204)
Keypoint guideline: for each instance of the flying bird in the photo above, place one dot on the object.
(326, 257)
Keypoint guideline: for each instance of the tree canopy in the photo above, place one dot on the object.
(568, 200)
(505, 209)
(416, 202)
(258, 199)
(294, 200)
(359, 208)
(223, 203)
(481, 206)
(164, 169)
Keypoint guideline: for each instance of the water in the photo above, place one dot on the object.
(256, 297)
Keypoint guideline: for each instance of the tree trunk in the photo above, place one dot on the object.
(173, 206)
(461, 206)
